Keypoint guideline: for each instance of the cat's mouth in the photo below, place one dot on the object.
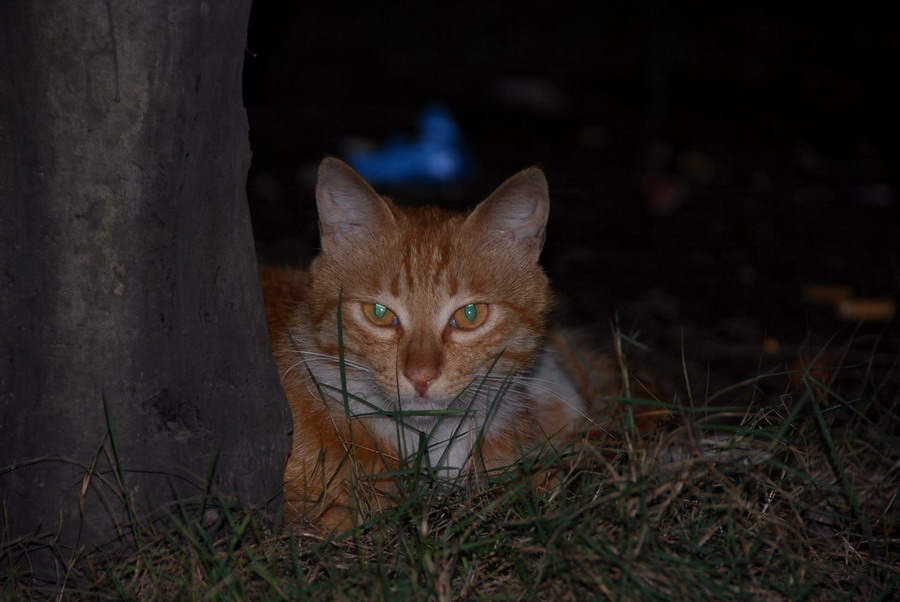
(422, 405)
(421, 402)
(437, 402)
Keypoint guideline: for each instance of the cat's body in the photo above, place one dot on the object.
(420, 334)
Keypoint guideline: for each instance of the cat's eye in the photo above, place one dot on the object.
(379, 314)
(469, 316)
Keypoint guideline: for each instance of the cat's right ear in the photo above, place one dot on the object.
(348, 206)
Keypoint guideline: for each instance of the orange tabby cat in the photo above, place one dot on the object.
(420, 333)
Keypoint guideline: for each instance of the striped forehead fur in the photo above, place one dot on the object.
(432, 248)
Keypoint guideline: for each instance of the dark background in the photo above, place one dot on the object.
(706, 162)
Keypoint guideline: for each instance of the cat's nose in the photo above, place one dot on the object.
(421, 377)
(423, 358)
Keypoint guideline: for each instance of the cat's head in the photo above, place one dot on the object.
(438, 308)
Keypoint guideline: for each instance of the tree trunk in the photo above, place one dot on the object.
(134, 362)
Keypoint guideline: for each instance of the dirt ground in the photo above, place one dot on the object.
(711, 169)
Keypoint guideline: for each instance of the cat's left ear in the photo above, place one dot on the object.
(517, 211)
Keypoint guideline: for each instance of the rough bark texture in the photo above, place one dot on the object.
(133, 356)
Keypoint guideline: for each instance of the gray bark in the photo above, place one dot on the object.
(134, 360)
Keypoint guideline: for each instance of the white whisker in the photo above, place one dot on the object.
(311, 357)
(548, 388)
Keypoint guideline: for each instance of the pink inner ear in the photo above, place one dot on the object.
(517, 210)
(348, 206)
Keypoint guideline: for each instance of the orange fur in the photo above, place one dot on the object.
(368, 395)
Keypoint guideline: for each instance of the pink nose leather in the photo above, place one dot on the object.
(421, 377)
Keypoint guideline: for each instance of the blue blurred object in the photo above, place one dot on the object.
(436, 157)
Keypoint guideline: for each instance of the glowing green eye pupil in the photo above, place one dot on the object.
(379, 311)
(471, 312)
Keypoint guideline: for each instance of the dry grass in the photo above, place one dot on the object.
(796, 499)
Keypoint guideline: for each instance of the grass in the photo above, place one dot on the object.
(794, 498)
